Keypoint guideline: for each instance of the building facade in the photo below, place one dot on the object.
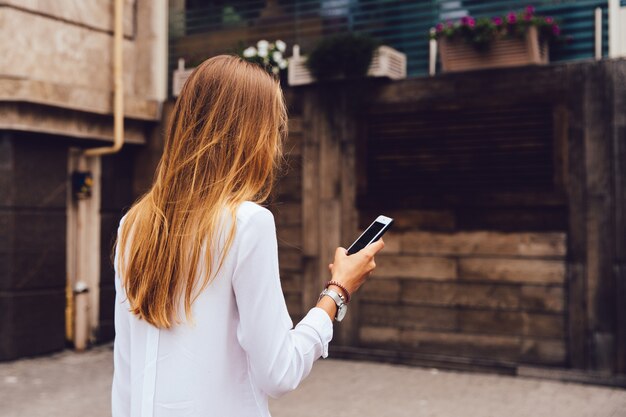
(58, 207)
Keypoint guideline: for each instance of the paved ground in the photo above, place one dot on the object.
(77, 385)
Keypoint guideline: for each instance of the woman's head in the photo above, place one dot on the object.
(227, 128)
(223, 144)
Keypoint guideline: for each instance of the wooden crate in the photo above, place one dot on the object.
(459, 55)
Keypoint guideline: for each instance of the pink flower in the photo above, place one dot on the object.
(556, 30)
(471, 22)
(511, 18)
(464, 20)
(497, 20)
(549, 19)
(527, 17)
(449, 23)
(530, 10)
(439, 27)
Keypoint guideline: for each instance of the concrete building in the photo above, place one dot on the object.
(58, 206)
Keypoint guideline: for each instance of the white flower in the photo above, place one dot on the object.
(262, 44)
(249, 52)
(277, 56)
(262, 53)
(282, 46)
(282, 64)
(275, 70)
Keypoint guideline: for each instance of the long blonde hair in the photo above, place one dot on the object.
(223, 143)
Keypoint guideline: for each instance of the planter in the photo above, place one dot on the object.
(386, 62)
(179, 76)
(459, 55)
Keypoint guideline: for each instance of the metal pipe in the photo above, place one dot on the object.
(598, 31)
(118, 86)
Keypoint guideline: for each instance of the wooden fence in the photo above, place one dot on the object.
(498, 272)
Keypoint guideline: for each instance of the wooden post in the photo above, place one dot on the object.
(599, 223)
(329, 190)
(310, 201)
(619, 209)
(577, 233)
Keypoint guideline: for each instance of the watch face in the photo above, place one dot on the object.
(341, 313)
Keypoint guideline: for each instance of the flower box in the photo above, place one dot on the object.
(386, 62)
(459, 55)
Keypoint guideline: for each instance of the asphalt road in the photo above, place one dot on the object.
(72, 384)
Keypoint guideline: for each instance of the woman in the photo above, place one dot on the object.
(201, 324)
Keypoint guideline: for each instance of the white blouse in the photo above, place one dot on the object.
(241, 348)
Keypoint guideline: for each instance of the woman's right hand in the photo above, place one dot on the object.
(351, 271)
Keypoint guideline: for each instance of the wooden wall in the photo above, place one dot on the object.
(490, 295)
(286, 205)
(504, 281)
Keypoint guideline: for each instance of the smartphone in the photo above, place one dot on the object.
(371, 234)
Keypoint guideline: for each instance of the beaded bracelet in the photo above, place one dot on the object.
(340, 286)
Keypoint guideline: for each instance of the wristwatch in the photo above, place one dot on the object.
(342, 307)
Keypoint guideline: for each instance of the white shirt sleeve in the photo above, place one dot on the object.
(279, 357)
(120, 390)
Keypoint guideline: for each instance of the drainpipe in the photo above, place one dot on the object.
(87, 209)
(118, 94)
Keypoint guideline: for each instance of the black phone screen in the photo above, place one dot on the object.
(366, 238)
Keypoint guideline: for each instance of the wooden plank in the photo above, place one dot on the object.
(379, 335)
(467, 345)
(409, 219)
(542, 298)
(291, 282)
(292, 149)
(485, 243)
(294, 303)
(382, 290)
(406, 316)
(619, 210)
(532, 271)
(517, 217)
(577, 230)
(417, 267)
(295, 125)
(287, 214)
(347, 135)
(597, 94)
(309, 192)
(288, 187)
(551, 352)
(512, 348)
(290, 259)
(512, 323)
(494, 296)
(290, 236)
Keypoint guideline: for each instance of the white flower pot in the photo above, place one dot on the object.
(179, 76)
